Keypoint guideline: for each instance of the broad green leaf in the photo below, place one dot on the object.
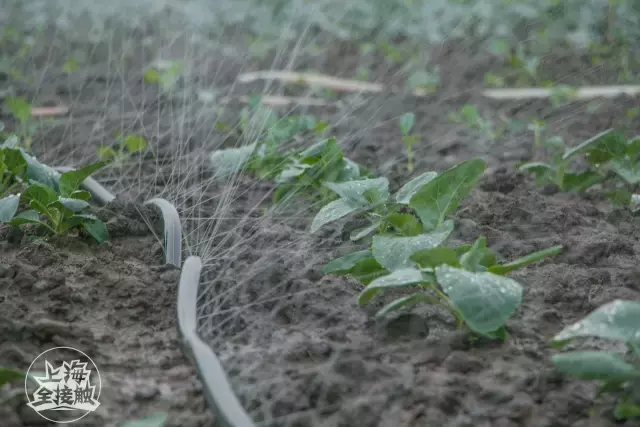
(231, 160)
(484, 300)
(443, 194)
(405, 301)
(156, 420)
(40, 173)
(526, 260)
(40, 193)
(15, 162)
(472, 259)
(407, 191)
(9, 375)
(74, 205)
(72, 180)
(135, 143)
(405, 224)
(356, 191)
(350, 170)
(30, 216)
(367, 270)
(80, 195)
(19, 108)
(394, 252)
(332, 212)
(407, 120)
(618, 320)
(9, 207)
(582, 181)
(606, 142)
(397, 279)
(595, 365)
(365, 231)
(346, 262)
(431, 258)
(96, 228)
(627, 169)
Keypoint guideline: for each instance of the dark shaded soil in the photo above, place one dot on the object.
(115, 302)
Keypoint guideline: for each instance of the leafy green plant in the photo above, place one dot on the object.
(166, 74)
(619, 321)
(57, 211)
(470, 116)
(407, 120)
(406, 249)
(20, 109)
(610, 156)
(124, 149)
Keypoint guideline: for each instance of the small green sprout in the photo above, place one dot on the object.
(57, 211)
(125, 148)
(406, 251)
(470, 116)
(406, 125)
(611, 158)
(537, 127)
(164, 73)
(619, 374)
(21, 110)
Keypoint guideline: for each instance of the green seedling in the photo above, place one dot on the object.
(470, 116)
(406, 250)
(619, 373)
(57, 211)
(537, 127)
(166, 74)
(424, 82)
(406, 125)
(20, 109)
(125, 148)
(307, 171)
(611, 157)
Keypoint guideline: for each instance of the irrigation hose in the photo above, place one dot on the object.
(217, 389)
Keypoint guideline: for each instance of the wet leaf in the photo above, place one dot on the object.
(9, 207)
(618, 320)
(407, 191)
(96, 228)
(40, 173)
(9, 375)
(472, 259)
(40, 193)
(135, 143)
(356, 191)
(397, 279)
(443, 194)
(394, 252)
(627, 169)
(72, 180)
(607, 143)
(526, 260)
(582, 181)
(231, 160)
(74, 205)
(332, 212)
(407, 120)
(431, 258)
(365, 231)
(30, 216)
(405, 224)
(346, 262)
(484, 300)
(595, 365)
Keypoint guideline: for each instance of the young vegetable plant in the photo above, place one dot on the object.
(125, 148)
(57, 211)
(406, 249)
(619, 321)
(609, 155)
(406, 125)
(470, 116)
(20, 109)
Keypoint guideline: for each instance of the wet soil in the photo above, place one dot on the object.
(298, 349)
(111, 301)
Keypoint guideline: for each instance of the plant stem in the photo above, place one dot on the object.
(409, 158)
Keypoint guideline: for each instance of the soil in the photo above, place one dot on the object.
(110, 301)
(298, 349)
